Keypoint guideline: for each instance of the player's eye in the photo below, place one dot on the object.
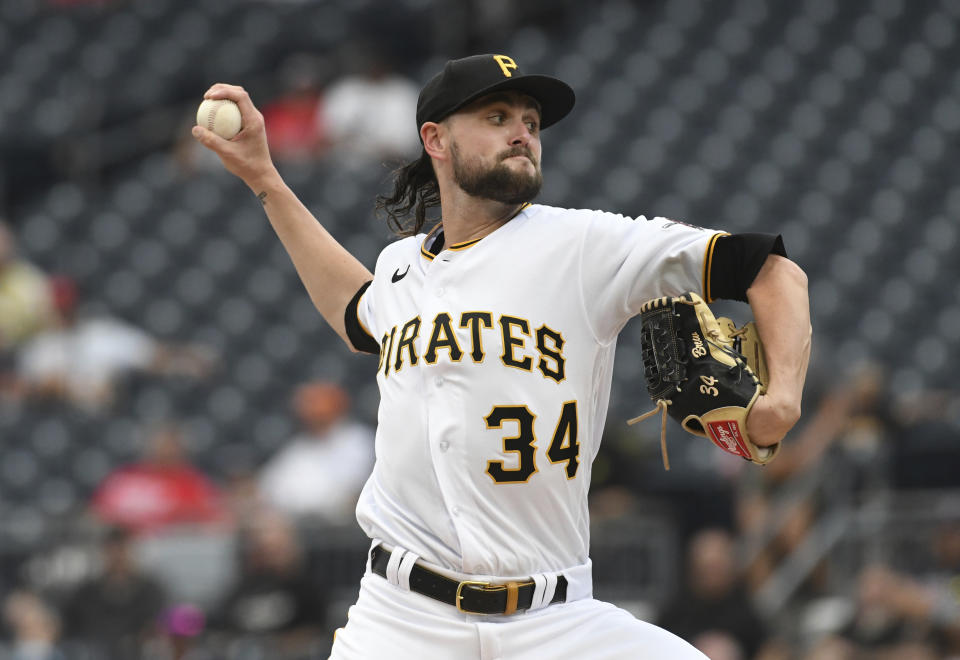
(496, 118)
(532, 126)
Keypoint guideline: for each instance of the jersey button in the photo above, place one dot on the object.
(455, 511)
(444, 445)
(438, 381)
(440, 291)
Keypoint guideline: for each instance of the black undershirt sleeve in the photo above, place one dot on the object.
(735, 262)
(358, 336)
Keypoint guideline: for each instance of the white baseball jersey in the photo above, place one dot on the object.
(495, 369)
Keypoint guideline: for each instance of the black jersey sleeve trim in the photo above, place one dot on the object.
(362, 340)
(735, 261)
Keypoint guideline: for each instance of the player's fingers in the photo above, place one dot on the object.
(224, 91)
(209, 139)
(249, 115)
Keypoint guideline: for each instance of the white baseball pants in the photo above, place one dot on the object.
(388, 621)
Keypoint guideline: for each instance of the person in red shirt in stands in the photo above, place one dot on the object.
(161, 490)
(293, 119)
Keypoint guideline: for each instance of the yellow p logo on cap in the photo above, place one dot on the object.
(506, 64)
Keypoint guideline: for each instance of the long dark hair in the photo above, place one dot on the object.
(414, 192)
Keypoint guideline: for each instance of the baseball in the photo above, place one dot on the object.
(222, 116)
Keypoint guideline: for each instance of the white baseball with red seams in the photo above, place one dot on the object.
(222, 116)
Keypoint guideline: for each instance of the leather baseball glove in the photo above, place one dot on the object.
(704, 371)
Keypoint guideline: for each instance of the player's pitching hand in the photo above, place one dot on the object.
(771, 418)
(246, 155)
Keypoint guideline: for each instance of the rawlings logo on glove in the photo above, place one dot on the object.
(704, 372)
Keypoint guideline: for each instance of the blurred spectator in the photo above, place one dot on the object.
(242, 492)
(714, 605)
(776, 649)
(26, 306)
(896, 608)
(831, 648)
(273, 597)
(182, 630)
(34, 626)
(852, 425)
(885, 602)
(115, 611)
(719, 646)
(293, 124)
(861, 439)
(80, 359)
(370, 115)
(161, 490)
(320, 472)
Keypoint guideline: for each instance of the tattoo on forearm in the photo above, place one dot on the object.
(263, 197)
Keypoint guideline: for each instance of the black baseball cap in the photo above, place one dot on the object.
(469, 78)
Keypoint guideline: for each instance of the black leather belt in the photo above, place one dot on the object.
(468, 596)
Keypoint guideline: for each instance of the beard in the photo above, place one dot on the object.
(498, 183)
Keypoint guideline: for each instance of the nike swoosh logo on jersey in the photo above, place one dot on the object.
(397, 275)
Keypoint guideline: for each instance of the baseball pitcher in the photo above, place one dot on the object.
(495, 331)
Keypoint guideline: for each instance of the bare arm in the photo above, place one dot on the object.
(781, 308)
(330, 274)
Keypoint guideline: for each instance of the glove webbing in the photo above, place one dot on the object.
(662, 405)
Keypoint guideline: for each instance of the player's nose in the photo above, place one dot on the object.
(521, 134)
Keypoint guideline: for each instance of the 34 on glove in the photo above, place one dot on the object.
(703, 371)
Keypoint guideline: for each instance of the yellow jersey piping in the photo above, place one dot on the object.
(423, 246)
(459, 246)
(708, 264)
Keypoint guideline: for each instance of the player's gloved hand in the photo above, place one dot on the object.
(246, 155)
(710, 376)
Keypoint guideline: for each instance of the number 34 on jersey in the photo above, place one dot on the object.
(564, 449)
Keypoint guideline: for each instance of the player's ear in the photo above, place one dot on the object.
(434, 139)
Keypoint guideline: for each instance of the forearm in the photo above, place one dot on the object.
(330, 274)
(781, 309)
